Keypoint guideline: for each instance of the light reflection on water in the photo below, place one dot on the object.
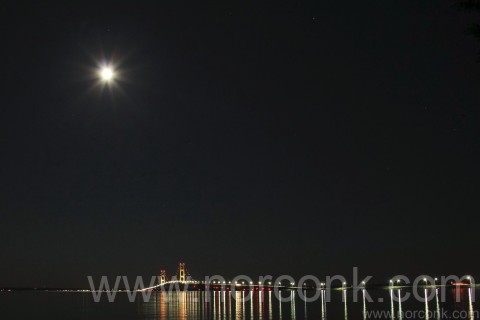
(426, 304)
(264, 305)
(222, 305)
(213, 305)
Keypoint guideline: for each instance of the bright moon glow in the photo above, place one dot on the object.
(106, 74)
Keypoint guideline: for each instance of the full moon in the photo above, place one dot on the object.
(106, 74)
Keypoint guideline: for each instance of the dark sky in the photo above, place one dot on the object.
(244, 137)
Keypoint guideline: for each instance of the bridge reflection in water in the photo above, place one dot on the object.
(263, 305)
(211, 305)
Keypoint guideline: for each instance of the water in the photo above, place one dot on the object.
(220, 305)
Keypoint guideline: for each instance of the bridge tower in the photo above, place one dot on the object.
(181, 272)
(163, 277)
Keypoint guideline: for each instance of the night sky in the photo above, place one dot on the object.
(242, 137)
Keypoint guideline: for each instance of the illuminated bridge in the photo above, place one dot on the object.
(183, 280)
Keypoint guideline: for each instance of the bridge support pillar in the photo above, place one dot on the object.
(181, 272)
(163, 277)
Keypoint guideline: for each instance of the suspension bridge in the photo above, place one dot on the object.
(183, 280)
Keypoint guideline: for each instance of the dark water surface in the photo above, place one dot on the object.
(220, 305)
